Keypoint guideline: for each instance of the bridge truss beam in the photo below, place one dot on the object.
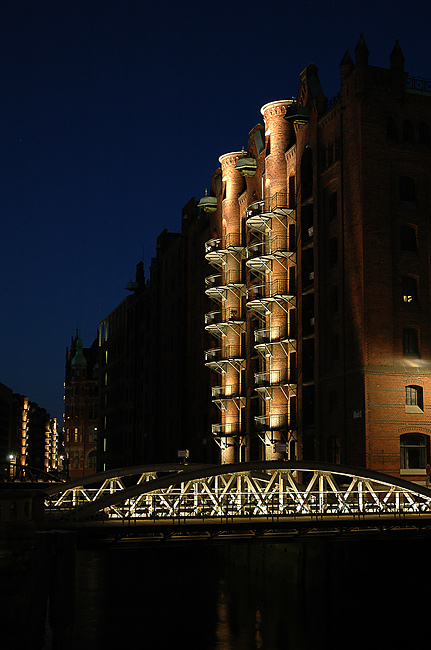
(243, 490)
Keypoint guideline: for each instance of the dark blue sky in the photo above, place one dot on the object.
(113, 114)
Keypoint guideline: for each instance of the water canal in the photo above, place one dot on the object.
(364, 594)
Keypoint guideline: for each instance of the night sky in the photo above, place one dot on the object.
(113, 114)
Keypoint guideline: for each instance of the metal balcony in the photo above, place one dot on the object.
(225, 395)
(274, 422)
(218, 323)
(217, 250)
(218, 285)
(273, 378)
(261, 213)
(218, 359)
(266, 339)
(226, 429)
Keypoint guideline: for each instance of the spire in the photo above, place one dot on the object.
(397, 58)
(361, 51)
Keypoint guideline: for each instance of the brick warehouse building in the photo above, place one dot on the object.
(81, 408)
(319, 276)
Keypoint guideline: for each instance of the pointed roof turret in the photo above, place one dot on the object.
(397, 58)
(361, 51)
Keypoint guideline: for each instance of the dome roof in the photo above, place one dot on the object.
(79, 358)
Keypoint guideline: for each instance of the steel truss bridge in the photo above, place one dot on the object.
(255, 500)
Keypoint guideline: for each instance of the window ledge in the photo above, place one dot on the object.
(413, 409)
(413, 472)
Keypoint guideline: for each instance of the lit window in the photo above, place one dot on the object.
(410, 291)
(414, 399)
(414, 448)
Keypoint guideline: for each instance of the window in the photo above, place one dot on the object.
(332, 206)
(335, 348)
(91, 460)
(414, 402)
(292, 195)
(410, 289)
(408, 135)
(424, 135)
(391, 129)
(307, 174)
(334, 449)
(408, 239)
(333, 252)
(410, 342)
(414, 448)
(332, 402)
(333, 299)
(407, 189)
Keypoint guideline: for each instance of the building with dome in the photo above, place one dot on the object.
(81, 408)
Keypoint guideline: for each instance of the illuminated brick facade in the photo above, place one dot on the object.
(319, 276)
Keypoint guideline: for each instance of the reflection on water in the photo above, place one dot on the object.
(267, 597)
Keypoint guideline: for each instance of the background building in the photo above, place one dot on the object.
(81, 408)
(154, 390)
(29, 439)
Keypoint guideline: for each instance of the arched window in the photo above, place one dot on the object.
(91, 460)
(414, 399)
(414, 451)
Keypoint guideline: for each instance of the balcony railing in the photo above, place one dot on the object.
(275, 287)
(277, 200)
(273, 378)
(271, 422)
(224, 392)
(419, 83)
(222, 316)
(269, 335)
(221, 354)
(233, 276)
(226, 429)
(270, 246)
(212, 245)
